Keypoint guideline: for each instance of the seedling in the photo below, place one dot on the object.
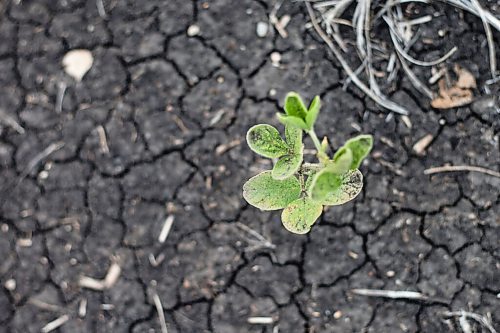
(301, 189)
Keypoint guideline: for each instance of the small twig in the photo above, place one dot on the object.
(165, 230)
(455, 168)
(60, 96)
(109, 280)
(82, 308)
(100, 9)
(216, 118)
(221, 149)
(261, 240)
(107, 307)
(155, 262)
(464, 324)
(419, 20)
(161, 315)
(103, 142)
(45, 306)
(464, 314)
(393, 294)
(55, 324)
(391, 167)
(279, 24)
(53, 147)
(421, 145)
(260, 320)
(178, 121)
(435, 77)
(9, 121)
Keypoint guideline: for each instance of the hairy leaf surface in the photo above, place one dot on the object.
(294, 106)
(360, 147)
(300, 215)
(265, 140)
(333, 189)
(313, 112)
(267, 193)
(287, 165)
(292, 121)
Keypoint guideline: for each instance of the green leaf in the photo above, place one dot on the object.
(339, 189)
(294, 106)
(267, 193)
(289, 164)
(360, 147)
(265, 140)
(313, 112)
(300, 215)
(286, 166)
(293, 136)
(324, 183)
(341, 161)
(292, 121)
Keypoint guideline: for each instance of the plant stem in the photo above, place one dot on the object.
(315, 139)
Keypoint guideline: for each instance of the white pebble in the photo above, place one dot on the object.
(262, 28)
(193, 30)
(77, 63)
(43, 175)
(275, 58)
(10, 284)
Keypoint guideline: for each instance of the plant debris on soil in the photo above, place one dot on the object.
(120, 182)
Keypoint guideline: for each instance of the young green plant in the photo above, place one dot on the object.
(302, 189)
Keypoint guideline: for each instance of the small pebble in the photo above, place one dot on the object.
(390, 273)
(193, 30)
(272, 92)
(337, 314)
(275, 58)
(262, 28)
(43, 175)
(77, 63)
(255, 268)
(10, 284)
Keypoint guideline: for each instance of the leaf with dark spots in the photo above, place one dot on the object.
(265, 140)
(286, 166)
(300, 215)
(360, 147)
(331, 189)
(267, 193)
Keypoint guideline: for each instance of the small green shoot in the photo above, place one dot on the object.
(302, 189)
